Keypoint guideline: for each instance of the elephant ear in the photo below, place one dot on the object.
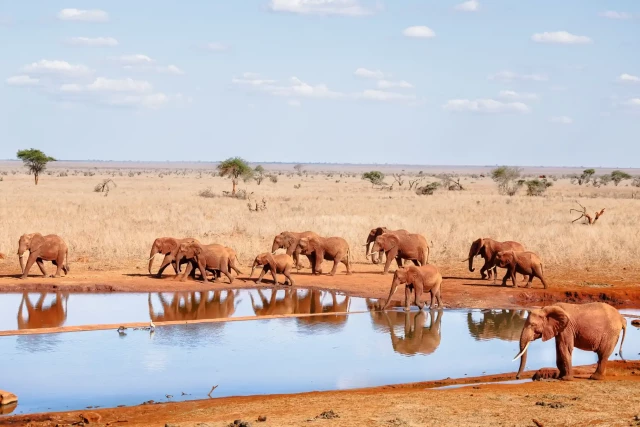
(556, 320)
(167, 245)
(272, 262)
(391, 241)
(36, 241)
(197, 249)
(414, 277)
(476, 246)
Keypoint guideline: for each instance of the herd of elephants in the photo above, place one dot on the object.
(593, 326)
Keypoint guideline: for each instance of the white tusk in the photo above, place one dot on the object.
(150, 258)
(21, 256)
(522, 352)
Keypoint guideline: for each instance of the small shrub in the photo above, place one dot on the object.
(636, 181)
(618, 176)
(536, 187)
(89, 173)
(374, 177)
(273, 178)
(207, 193)
(297, 186)
(105, 186)
(507, 179)
(427, 190)
(63, 174)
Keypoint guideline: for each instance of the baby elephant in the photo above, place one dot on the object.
(281, 263)
(523, 262)
(591, 327)
(426, 278)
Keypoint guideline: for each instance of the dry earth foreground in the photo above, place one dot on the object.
(110, 234)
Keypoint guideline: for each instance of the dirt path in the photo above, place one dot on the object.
(613, 402)
(461, 289)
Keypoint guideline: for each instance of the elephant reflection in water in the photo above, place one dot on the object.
(505, 325)
(39, 316)
(308, 303)
(418, 338)
(195, 306)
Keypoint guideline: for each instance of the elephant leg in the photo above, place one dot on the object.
(506, 276)
(563, 357)
(538, 273)
(32, 258)
(387, 262)
(287, 274)
(486, 268)
(399, 261)
(165, 263)
(416, 263)
(528, 281)
(345, 261)
(59, 264)
(186, 272)
(262, 273)
(418, 296)
(226, 273)
(336, 261)
(41, 266)
(512, 272)
(603, 355)
(407, 297)
(275, 278)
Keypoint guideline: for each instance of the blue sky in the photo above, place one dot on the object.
(554, 83)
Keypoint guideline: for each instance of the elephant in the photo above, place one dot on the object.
(43, 248)
(418, 338)
(194, 306)
(334, 249)
(523, 262)
(425, 279)
(288, 240)
(375, 232)
(168, 246)
(488, 248)
(501, 324)
(273, 306)
(593, 327)
(39, 316)
(207, 258)
(413, 247)
(280, 263)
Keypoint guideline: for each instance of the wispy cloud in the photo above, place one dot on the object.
(94, 15)
(92, 41)
(628, 78)
(386, 96)
(517, 96)
(419, 31)
(57, 68)
(612, 14)
(489, 106)
(509, 76)
(563, 120)
(216, 47)
(22, 80)
(321, 7)
(389, 84)
(144, 63)
(560, 37)
(468, 6)
(365, 73)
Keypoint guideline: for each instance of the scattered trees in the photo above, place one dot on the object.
(618, 176)
(507, 179)
(258, 174)
(34, 160)
(235, 168)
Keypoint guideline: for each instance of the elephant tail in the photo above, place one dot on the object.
(624, 333)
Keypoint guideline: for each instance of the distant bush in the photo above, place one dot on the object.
(63, 174)
(427, 190)
(89, 173)
(536, 187)
(207, 193)
(105, 186)
(618, 176)
(273, 178)
(297, 186)
(374, 177)
(507, 179)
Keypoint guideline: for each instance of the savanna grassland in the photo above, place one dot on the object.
(115, 230)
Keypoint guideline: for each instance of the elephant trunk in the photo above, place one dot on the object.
(21, 258)
(274, 247)
(154, 251)
(253, 267)
(471, 263)
(525, 339)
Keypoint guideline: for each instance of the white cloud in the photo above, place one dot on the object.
(563, 120)
(56, 67)
(368, 74)
(419, 31)
(294, 103)
(517, 96)
(320, 7)
(92, 42)
(611, 14)
(216, 46)
(388, 84)
(170, 69)
(468, 6)
(22, 80)
(633, 102)
(135, 59)
(381, 95)
(628, 78)
(102, 84)
(95, 15)
(252, 79)
(560, 37)
(292, 89)
(153, 101)
(485, 106)
(508, 76)
(71, 88)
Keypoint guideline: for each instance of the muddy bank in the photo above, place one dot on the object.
(461, 289)
(546, 403)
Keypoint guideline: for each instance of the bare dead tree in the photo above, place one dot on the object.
(415, 182)
(262, 206)
(398, 178)
(589, 220)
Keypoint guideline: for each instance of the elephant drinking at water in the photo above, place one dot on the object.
(422, 279)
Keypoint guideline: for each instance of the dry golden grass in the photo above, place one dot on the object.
(122, 226)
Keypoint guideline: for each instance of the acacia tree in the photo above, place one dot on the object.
(374, 177)
(34, 160)
(235, 168)
(507, 179)
(618, 176)
(258, 174)
(299, 168)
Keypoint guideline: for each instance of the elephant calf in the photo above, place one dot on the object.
(43, 248)
(281, 263)
(334, 249)
(208, 258)
(591, 327)
(523, 262)
(422, 279)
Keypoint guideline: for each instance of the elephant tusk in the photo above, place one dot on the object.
(466, 259)
(21, 256)
(522, 352)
